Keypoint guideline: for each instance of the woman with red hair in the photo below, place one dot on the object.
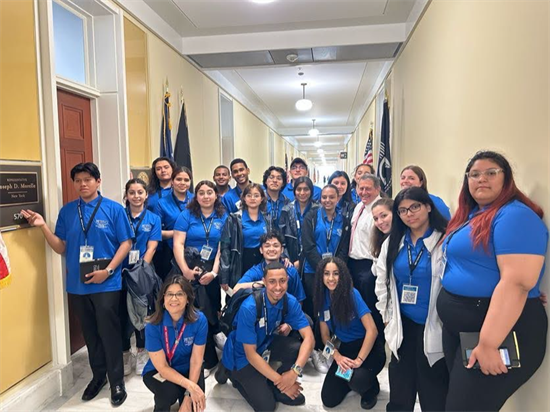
(493, 253)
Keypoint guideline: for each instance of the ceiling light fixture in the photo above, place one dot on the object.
(262, 1)
(313, 132)
(303, 105)
(320, 151)
(318, 143)
(292, 57)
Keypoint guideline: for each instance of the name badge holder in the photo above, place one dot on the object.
(87, 252)
(328, 254)
(409, 293)
(206, 250)
(133, 256)
(331, 345)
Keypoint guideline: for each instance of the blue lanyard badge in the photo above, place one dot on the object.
(206, 250)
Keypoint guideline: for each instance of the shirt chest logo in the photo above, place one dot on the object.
(146, 227)
(101, 224)
(188, 341)
(218, 225)
(339, 232)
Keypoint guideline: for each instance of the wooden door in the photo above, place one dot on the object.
(75, 138)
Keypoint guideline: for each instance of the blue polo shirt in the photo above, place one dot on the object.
(194, 334)
(109, 229)
(516, 229)
(355, 329)
(441, 207)
(253, 230)
(249, 332)
(295, 288)
(288, 191)
(274, 208)
(422, 277)
(355, 196)
(168, 209)
(232, 199)
(300, 217)
(149, 229)
(153, 198)
(321, 232)
(196, 232)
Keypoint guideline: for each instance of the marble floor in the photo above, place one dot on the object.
(218, 397)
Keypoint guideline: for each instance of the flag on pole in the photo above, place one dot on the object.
(182, 151)
(286, 168)
(384, 157)
(368, 156)
(166, 128)
(5, 269)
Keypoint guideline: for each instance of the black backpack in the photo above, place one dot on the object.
(230, 310)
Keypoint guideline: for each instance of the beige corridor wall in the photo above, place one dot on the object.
(475, 76)
(279, 149)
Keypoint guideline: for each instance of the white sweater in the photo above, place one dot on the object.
(391, 313)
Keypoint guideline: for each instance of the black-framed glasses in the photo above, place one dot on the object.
(415, 207)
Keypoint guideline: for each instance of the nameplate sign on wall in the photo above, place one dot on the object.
(20, 188)
(343, 155)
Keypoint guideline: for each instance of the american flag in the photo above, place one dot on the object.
(368, 156)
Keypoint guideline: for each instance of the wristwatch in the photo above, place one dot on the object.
(110, 271)
(187, 393)
(297, 369)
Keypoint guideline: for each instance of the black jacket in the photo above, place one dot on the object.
(289, 229)
(310, 245)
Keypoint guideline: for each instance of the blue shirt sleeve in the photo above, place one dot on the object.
(518, 230)
(246, 326)
(298, 289)
(182, 222)
(60, 227)
(251, 275)
(156, 231)
(122, 226)
(153, 338)
(295, 316)
(360, 305)
(202, 330)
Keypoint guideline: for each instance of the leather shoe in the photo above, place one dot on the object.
(221, 374)
(118, 395)
(93, 389)
(369, 401)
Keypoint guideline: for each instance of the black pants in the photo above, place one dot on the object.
(363, 380)
(470, 389)
(412, 374)
(163, 260)
(251, 257)
(167, 393)
(364, 281)
(308, 281)
(126, 326)
(98, 313)
(255, 388)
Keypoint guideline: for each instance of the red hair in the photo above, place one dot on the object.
(481, 222)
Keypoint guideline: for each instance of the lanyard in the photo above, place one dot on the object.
(207, 231)
(329, 233)
(454, 232)
(170, 352)
(267, 332)
(274, 210)
(135, 229)
(86, 228)
(177, 202)
(413, 265)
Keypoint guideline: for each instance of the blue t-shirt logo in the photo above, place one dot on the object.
(146, 227)
(188, 341)
(101, 224)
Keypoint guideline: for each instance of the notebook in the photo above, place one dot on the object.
(92, 266)
(509, 350)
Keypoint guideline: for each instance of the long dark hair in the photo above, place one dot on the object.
(134, 181)
(190, 314)
(340, 173)
(481, 223)
(398, 228)
(194, 206)
(154, 182)
(342, 306)
(247, 190)
(378, 237)
(299, 181)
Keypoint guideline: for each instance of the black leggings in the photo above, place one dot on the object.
(470, 389)
(167, 393)
(363, 380)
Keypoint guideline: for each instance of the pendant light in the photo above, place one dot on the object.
(313, 132)
(303, 105)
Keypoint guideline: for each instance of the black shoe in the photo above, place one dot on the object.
(118, 395)
(368, 401)
(93, 389)
(287, 400)
(221, 374)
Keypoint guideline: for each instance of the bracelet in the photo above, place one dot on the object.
(362, 360)
(214, 273)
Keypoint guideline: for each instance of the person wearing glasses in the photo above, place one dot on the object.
(360, 170)
(407, 286)
(494, 251)
(175, 336)
(298, 168)
(414, 176)
(240, 241)
(345, 205)
(240, 173)
(274, 181)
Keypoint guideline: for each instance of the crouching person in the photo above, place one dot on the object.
(175, 338)
(256, 339)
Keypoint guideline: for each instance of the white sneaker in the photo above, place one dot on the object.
(208, 372)
(219, 340)
(319, 362)
(141, 361)
(127, 359)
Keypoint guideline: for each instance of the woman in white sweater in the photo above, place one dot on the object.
(407, 286)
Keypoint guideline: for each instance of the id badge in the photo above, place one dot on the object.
(326, 315)
(133, 257)
(326, 255)
(86, 254)
(409, 294)
(261, 322)
(206, 252)
(158, 377)
(266, 355)
(328, 351)
(298, 224)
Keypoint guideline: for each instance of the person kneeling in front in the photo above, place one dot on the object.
(254, 342)
(175, 337)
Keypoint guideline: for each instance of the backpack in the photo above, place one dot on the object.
(143, 285)
(230, 310)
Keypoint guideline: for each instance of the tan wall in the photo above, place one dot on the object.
(279, 149)
(363, 134)
(135, 46)
(475, 76)
(25, 342)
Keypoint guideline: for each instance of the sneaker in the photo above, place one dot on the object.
(221, 374)
(219, 340)
(127, 359)
(141, 360)
(208, 372)
(319, 362)
(286, 400)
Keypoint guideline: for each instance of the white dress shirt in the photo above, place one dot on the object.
(360, 247)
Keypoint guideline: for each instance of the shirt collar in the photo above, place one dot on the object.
(269, 305)
(426, 235)
(337, 216)
(246, 217)
(93, 202)
(167, 321)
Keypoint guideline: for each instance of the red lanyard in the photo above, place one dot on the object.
(170, 352)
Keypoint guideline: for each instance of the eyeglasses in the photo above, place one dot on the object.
(298, 167)
(489, 174)
(178, 296)
(415, 207)
(272, 177)
(253, 196)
